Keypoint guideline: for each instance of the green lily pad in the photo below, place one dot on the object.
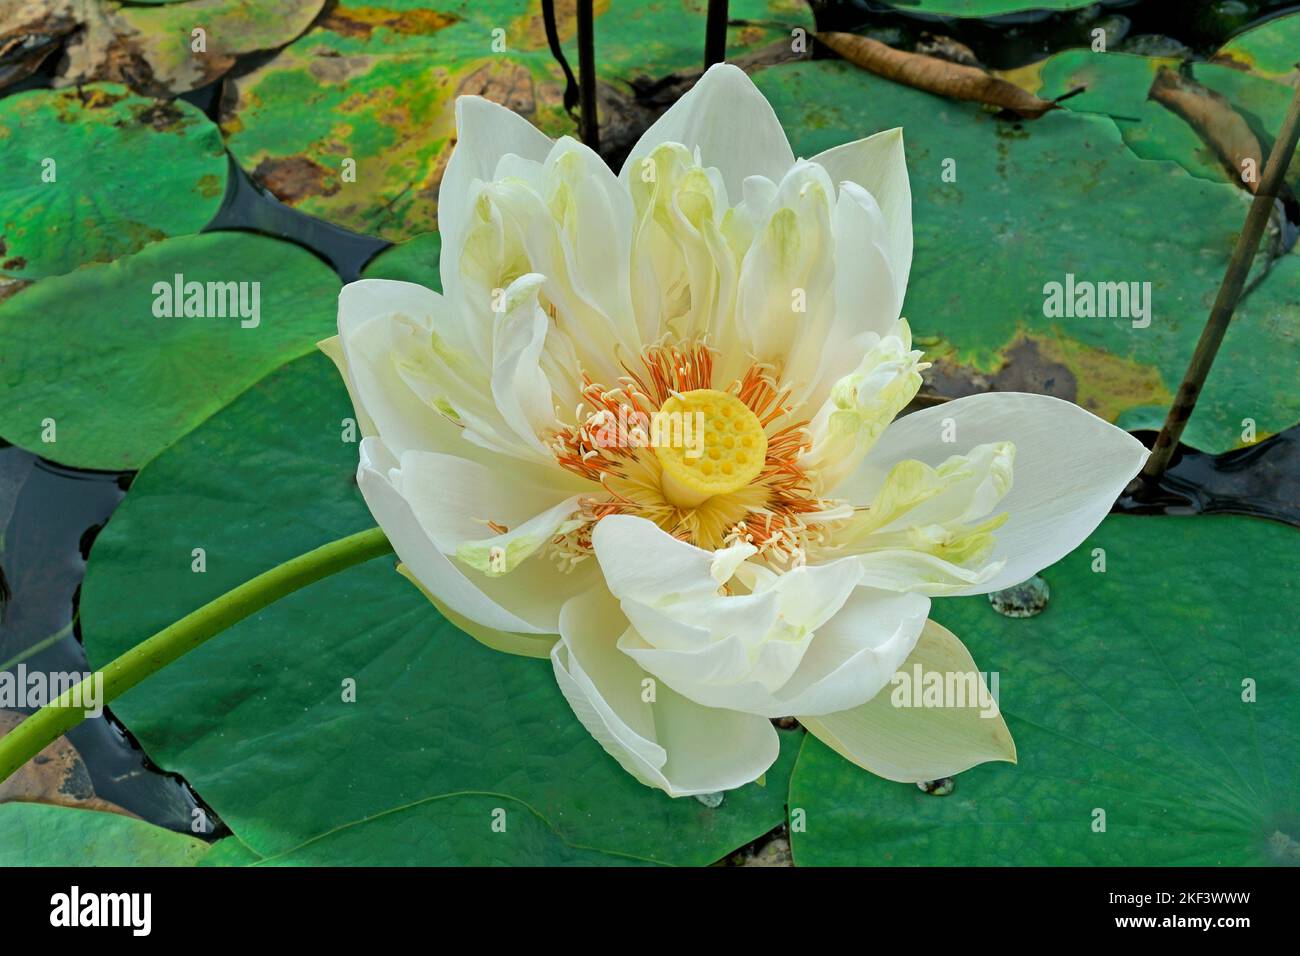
(37, 834)
(98, 173)
(255, 719)
(1128, 702)
(1271, 49)
(446, 830)
(87, 355)
(1117, 84)
(415, 260)
(1033, 203)
(354, 122)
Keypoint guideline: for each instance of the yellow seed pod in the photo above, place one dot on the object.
(709, 443)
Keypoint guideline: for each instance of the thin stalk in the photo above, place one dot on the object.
(1229, 293)
(587, 74)
(39, 646)
(715, 33)
(153, 654)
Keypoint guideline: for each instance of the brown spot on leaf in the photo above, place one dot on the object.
(11, 287)
(361, 22)
(16, 264)
(162, 116)
(1025, 369)
(509, 84)
(295, 178)
(330, 67)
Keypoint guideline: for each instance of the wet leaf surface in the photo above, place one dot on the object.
(1124, 697)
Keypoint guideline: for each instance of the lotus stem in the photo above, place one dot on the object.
(1229, 293)
(153, 654)
(715, 33)
(587, 74)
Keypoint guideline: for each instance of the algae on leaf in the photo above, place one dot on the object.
(97, 173)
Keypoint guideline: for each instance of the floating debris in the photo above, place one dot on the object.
(1022, 600)
(937, 788)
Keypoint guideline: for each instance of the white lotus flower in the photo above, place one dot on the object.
(687, 591)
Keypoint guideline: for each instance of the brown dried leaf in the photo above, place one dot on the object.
(57, 775)
(1209, 113)
(30, 30)
(152, 49)
(934, 75)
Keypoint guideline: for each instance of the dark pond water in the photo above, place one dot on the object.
(50, 515)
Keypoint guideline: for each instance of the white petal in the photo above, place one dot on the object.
(594, 218)
(333, 347)
(867, 295)
(668, 743)
(519, 386)
(485, 132)
(727, 119)
(912, 744)
(454, 498)
(528, 604)
(643, 563)
(720, 650)
(856, 652)
(787, 280)
(1070, 466)
(861, 405)
(878, 165)
(841, 665)
(378, 321)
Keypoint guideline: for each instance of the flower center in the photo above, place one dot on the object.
(714, 445)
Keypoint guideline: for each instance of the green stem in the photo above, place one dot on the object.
(153, 654)
(39, 646)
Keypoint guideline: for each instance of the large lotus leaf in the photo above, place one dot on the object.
(89, 352)
(1157, 699)
(354, 122)
(37, 834)
(445, 830)
(256, 719)
(1033, 203)
(95, 173)
(1271, 49)
(1117, 84)
(415, 260)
